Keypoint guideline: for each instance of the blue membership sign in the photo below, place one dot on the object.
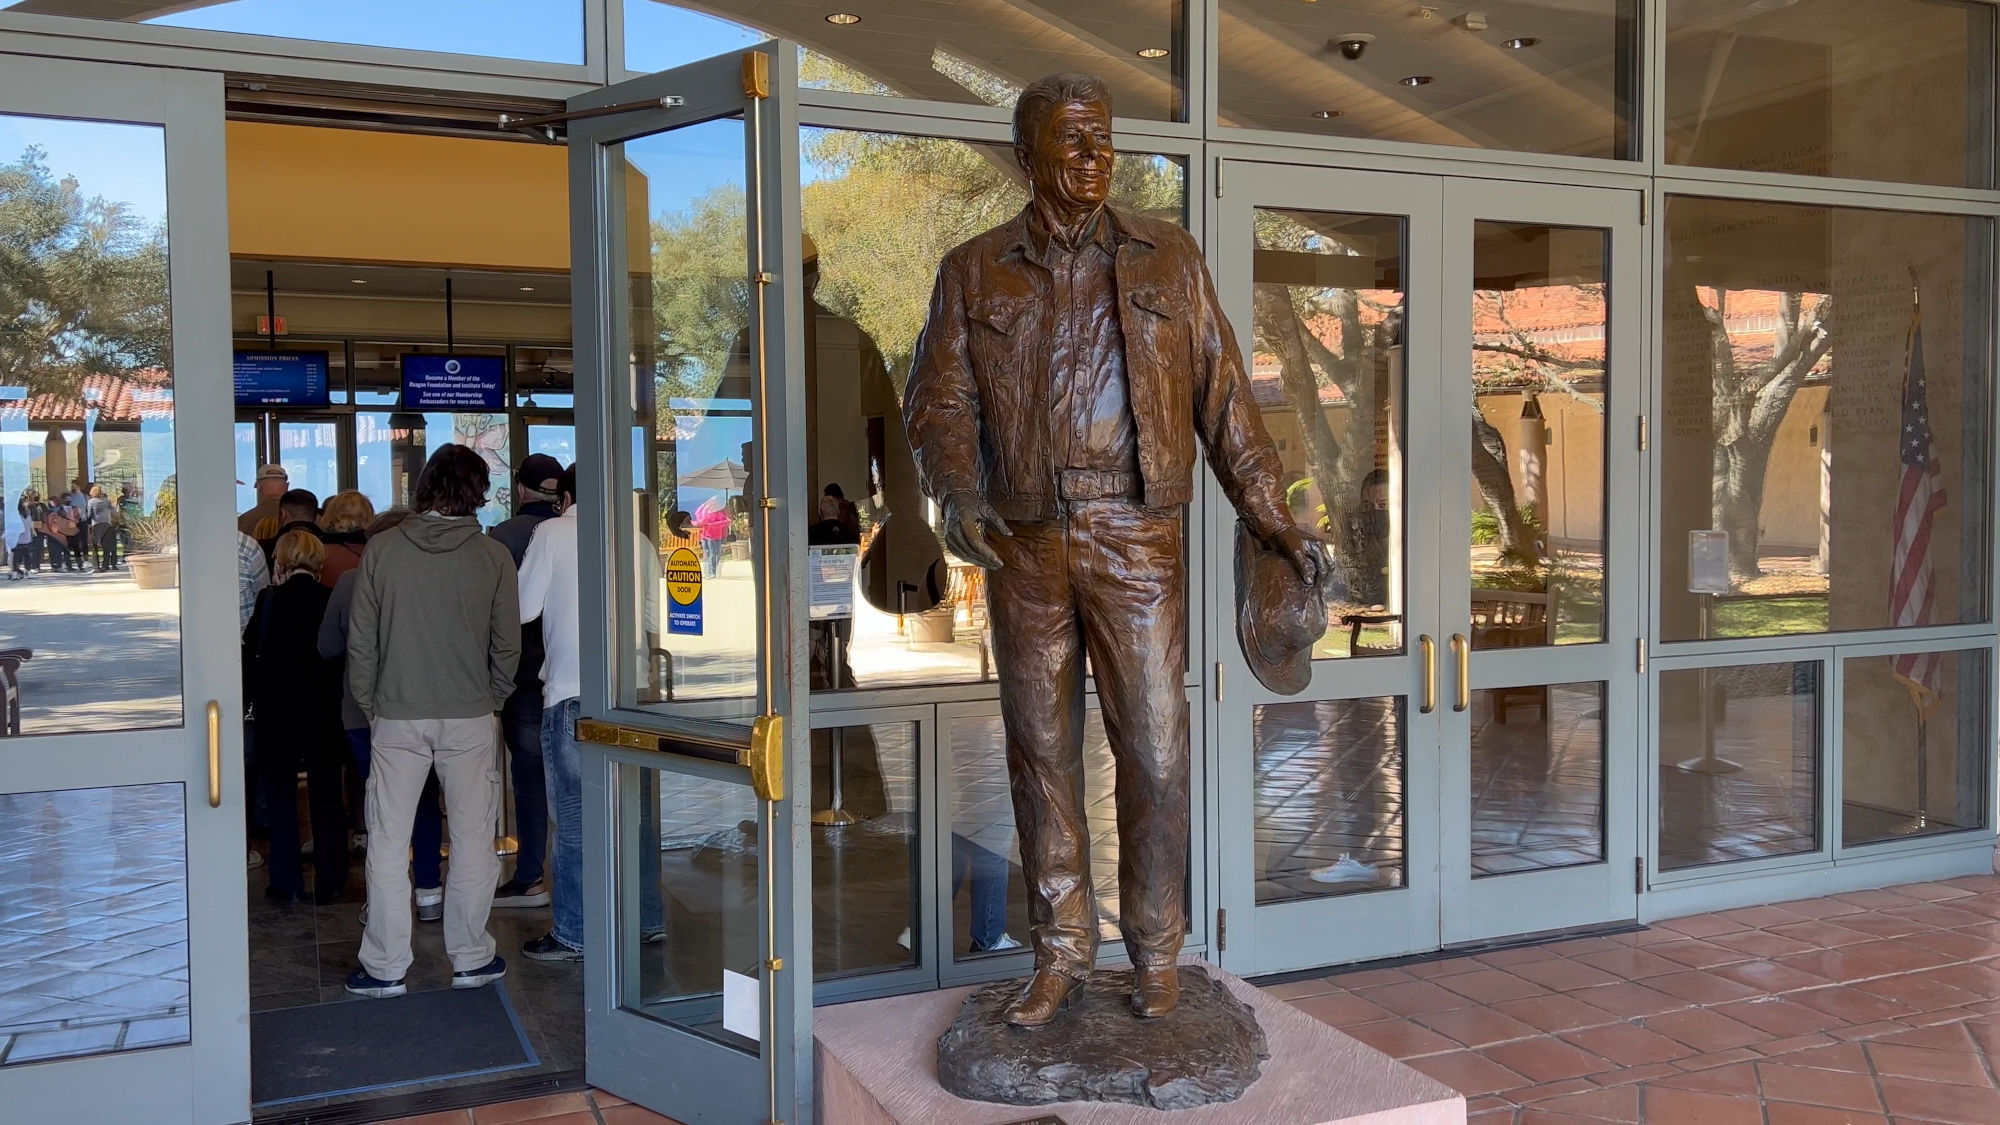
(454, 382)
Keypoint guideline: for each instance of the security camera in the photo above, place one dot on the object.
(1353, 44)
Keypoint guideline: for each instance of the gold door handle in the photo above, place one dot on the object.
(1462, 651)
(214, 754)
(1429, 648)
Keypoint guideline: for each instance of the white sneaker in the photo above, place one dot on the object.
(430, 904)
(256, 860)
(1347, 869)
(903, 939)
(1002, 944)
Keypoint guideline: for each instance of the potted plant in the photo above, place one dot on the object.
(155, 558)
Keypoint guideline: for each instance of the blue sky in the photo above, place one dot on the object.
(536, 30)
(122, 163)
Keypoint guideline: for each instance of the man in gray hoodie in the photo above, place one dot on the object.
(432, 643)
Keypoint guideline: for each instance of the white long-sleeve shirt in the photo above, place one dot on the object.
(549, 591)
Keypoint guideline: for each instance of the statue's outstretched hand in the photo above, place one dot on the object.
(1305, 555)
(967, 518)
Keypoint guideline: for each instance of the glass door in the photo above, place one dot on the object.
(689, 409)
(122, 908)
(1452, 391)
(1540, 319)
(1330, 825)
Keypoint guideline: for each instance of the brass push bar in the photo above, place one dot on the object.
(1462, 651)
(1429, 648)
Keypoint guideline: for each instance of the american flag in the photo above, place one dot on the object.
(1918, 501)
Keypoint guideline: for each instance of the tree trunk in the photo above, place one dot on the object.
(1279, 328)
(1496, 489)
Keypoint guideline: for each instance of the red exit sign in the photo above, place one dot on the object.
(264, 327)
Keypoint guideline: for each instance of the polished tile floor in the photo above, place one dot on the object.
(583, 1107)
(1860, 1009)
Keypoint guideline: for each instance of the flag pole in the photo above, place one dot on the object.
(1923, 768)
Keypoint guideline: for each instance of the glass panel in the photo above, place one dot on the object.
(93, 921)
(1331, 780)
(1537, 786)
(534, 30)
(1868, 89)
(1539, 331)
(978, 53)
(544, 378)
(246, 462)
(880, 211)
(1327, 371)
(865, 853)
(989, 913)
(687, 857)
(557, 440)
(685, 398)
(1739, 762)
(390, 450)
(310, 453)
(1916, 734)
(1541, 77)
(1789, 384)
(378, 374)
(87, 430)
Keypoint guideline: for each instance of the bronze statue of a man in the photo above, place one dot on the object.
(1071, 358)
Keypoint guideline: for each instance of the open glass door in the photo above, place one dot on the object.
(122, 909)
(686, 259)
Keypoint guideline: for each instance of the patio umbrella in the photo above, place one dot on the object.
(724, 476)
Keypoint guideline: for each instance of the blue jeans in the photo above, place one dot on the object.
(563, 768)
(427, 837)
(521, 726)
(987, 871)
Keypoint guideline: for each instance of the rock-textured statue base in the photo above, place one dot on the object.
(1208, 1050)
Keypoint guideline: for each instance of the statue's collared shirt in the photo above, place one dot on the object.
(1090, 417)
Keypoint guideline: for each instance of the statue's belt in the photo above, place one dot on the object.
(1098, 484)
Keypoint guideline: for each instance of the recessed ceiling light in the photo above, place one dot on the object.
(1326, 114)
(843, 19)
(527, 289)
(1522, 43)
(1416, 80)
(1152, 52)
(356, 281)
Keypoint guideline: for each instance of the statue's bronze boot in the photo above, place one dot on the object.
(1045, 997)
(1156, 990)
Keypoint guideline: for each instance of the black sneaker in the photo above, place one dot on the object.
(362, 984)
(547, 948)
(516, 895)
(481, 977)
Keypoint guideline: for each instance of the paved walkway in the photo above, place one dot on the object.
(1860, 1009)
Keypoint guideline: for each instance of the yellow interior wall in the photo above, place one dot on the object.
(301, 193)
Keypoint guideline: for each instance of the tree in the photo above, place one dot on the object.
(1748, 403)
(83, 284)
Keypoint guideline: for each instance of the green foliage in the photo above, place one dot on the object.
(1486, 527)
(83, 284)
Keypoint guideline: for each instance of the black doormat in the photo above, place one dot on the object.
(359, 1046)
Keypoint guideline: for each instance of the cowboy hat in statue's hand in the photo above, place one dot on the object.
(1278, 616)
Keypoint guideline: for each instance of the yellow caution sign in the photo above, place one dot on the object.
(684, 591)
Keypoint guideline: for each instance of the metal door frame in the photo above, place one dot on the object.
(206, 1080)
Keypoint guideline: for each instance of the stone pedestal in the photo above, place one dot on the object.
(878, 1066)
(1209, 1049)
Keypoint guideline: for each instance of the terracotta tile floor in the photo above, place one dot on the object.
(1859, 1009)
(1870, 1008)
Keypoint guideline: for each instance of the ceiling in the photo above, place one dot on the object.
(247, 275)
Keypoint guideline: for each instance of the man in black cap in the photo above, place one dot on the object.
(535, 495)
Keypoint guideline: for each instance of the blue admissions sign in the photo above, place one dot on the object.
(281, 379)
(454, 382)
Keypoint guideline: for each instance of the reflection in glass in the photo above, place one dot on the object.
(687, 562)
(90, 616)
(865, 849)
(309, 449)
(1555, 78)
(1539, 331)
(1787, 355)
(1867, 89)
(980, 53)
(390, 450)
(247, 463)
(881, 210)
(544, 378)
(534, 30)
(1916, 734)
(1330, 806)
(1537, 785)
(1327, 372)
(686, 910)
(93, 921)
(989, 911)
(1739, 750)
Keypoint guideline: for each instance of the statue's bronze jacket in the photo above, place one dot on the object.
(977, 406)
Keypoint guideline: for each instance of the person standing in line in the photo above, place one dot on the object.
(35, 511)
(297, 700)
(432, 642)
(99, 514)
(272, 481)
(65, 533)
(21, 542)
(535, 486)
(549, 593)
(427, 833)
(343, 527)
(298, 510)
